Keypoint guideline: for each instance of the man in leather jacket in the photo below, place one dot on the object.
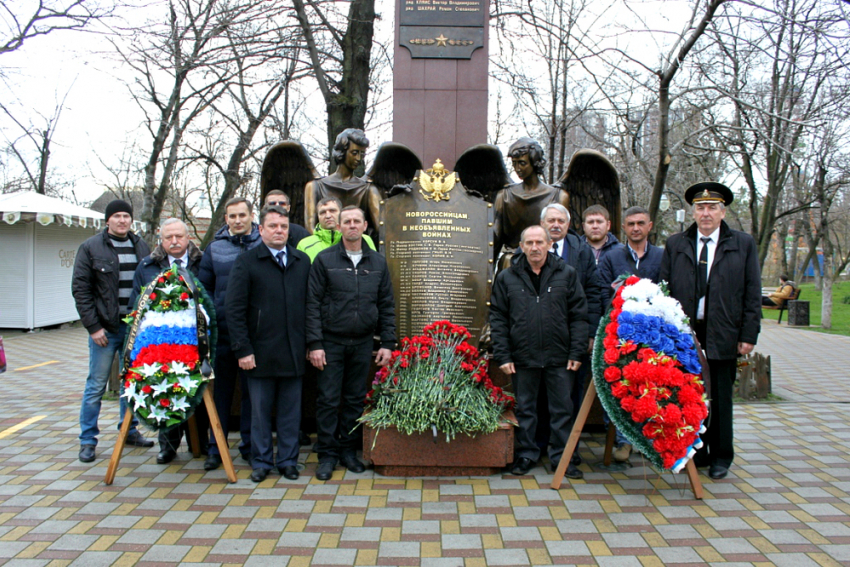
(102, 285)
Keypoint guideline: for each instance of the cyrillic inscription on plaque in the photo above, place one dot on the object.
(438, 254)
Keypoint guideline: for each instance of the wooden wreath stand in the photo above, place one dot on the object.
(215, 424)
(696, 485)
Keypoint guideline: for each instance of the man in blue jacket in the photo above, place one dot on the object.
(240, 235)
(538, 320)
(636, 257)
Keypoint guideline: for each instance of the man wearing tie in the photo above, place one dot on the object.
(265, 302)
(714, 273)
(567, 245)
(174, 247)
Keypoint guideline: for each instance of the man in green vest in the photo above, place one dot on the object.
(326, 233)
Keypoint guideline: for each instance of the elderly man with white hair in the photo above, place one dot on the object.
(174, 247)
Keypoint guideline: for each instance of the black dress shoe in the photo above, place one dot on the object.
(259, 475)
(352, 463)
(212, 462)
(303, 438)
(289, 472)
(165, 456)
(718, 471)
(86, 453)
(576, 459)
(137, 440)
(325, 470)
(522, 466)
(573, 472)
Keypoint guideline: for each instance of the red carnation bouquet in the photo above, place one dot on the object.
(436, 382)
(648, 375)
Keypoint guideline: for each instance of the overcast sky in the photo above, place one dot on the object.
(100, 120)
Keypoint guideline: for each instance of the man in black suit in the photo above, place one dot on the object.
(265, 302)
(714, 273)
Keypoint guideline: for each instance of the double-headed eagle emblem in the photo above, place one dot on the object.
(435, 183)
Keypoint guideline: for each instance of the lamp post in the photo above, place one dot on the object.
(664, 204)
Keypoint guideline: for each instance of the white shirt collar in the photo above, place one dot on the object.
(714, 236)
(184, 259)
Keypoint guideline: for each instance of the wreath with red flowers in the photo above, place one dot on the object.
(647, 374)
(436, 382)
(163, 382)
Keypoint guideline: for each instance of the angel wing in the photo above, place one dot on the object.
(482, 169)
(288, 167)
(591, 179)
(395, 164)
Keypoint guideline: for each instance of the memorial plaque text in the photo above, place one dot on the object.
(438, 255)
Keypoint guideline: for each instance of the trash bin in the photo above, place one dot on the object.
(798, 313)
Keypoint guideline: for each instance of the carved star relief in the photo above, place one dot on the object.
(441, 40)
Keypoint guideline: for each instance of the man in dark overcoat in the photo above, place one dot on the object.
(714, 273)
(265, 302)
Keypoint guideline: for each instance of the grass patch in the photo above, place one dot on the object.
(840, 310)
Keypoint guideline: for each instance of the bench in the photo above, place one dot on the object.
(784, 307)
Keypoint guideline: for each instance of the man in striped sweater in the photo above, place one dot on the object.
(102, 285)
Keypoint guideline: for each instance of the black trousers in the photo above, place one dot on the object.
(171, 439)
(718, 445)
(226, 374)
(341, 395)
(282, 395)
(718, 440)
(558, 382)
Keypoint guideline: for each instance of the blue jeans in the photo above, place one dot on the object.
(620, 438)
(100, 365)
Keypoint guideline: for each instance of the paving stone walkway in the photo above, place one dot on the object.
(785, 501)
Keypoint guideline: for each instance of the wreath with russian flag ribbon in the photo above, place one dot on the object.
(647, 372)
(169, 349)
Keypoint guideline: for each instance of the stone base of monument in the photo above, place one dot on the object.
(422, 454)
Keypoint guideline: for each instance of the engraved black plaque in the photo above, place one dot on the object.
(438, 254)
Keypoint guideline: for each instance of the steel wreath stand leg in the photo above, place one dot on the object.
(581, 419)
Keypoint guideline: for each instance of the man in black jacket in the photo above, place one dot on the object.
(265, 310)
(350, 299)
(538, 320)
(174, 247)
(102, 284)
(714, 273)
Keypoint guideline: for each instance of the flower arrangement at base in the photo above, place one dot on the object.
(437, 382)
(163, 381)
(648, 375)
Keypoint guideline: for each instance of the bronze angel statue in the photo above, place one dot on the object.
(288, 167)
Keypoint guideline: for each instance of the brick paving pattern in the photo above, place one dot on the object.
(785, 501)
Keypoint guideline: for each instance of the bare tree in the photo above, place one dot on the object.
(39, 139)
(182, 67)
(340, 57)
(782, 70)
(19, 23)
